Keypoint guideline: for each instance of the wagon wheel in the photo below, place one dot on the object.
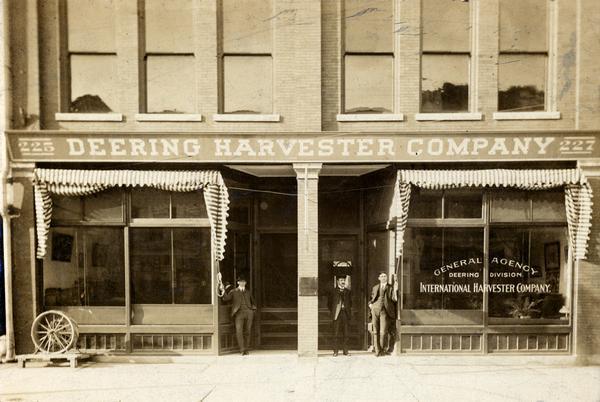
(54, 332)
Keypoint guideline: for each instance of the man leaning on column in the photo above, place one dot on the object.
(242, 313)
(383, 312)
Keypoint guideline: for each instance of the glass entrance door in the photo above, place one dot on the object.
(332, 250)
(277, 279)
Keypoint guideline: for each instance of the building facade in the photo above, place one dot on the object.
(164, 148)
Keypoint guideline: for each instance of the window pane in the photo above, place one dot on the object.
(369, 84)
(91, 25)
(521, 82)
(443, 268)
(339, 210)
(149, 203)
(192, 266)
(66, 208)
(446, 26)
(63, 283)
(84, 267)
(425, 204)
(151, 273)
(445, 83)
(531, 266)
(279, 261)
(240, 206)
(104, 206)
(189, 205)
(247, 25)
(377, 204)
(368, 25)
(277, 210)
(248, 84)
(93, 84)
(169, 26)
(510, 206)
(462, 205)
(523, 25)
(171, 84)
(104, 266)
(549, 206)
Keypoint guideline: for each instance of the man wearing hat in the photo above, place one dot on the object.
(242, 313)
(340, 306)
(383, 312)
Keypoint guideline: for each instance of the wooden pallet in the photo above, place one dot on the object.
(72, 357)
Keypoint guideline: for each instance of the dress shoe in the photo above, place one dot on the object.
(335, 354)
(245, 353)
(346, 353)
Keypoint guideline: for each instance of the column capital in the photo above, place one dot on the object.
(21, 169)
(307, 170)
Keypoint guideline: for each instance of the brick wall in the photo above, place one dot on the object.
(587, 321)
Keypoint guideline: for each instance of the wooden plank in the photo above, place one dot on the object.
(72, 358)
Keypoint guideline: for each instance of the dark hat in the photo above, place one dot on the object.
(242, 278)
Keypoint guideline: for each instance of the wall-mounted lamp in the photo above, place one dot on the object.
(14, 197)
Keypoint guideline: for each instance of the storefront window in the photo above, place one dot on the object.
(445, 262)
(443, 268)
(170, 266)
(84, 267)
(528, 265)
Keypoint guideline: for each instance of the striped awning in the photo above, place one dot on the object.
(72, 182)
(578, 194)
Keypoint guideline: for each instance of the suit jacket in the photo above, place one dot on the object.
(236, 295)
(389, 304)
(334, 299)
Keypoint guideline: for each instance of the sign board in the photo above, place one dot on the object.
(308, 286)
(27, 146)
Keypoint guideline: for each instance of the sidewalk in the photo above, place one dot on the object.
(282, 376)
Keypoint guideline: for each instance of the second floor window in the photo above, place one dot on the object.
(247, 49)
(446, 56)
(90, 56)
(169, 60)
(523, 58)
(368, 56)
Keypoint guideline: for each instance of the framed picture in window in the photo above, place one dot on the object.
(62, 247)
(552, 256)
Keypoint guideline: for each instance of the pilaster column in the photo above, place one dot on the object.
(308, 257)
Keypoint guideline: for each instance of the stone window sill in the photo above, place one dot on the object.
(246, 117)
(359, 117)
(526, 115)
(448, 116)
(88, 116)
(161, 117)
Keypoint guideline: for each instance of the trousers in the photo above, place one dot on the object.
(380, 321)
(340, 323)
(243, 328)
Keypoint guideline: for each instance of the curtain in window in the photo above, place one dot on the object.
(70, 182)
(578, 194)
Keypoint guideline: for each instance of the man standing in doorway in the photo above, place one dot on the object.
(340, 305)
(383, 312)
(242, 313)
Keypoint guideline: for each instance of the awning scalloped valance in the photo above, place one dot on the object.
(74, 182)
(578, 194)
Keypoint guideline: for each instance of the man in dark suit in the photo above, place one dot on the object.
(242, 313)
(340, 306)
(383, 311)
